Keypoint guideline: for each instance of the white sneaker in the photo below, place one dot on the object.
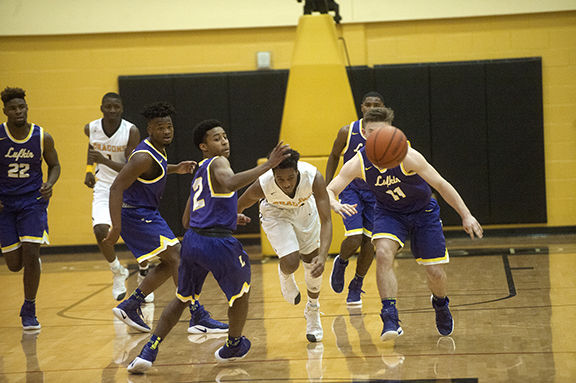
(119, 283)
(289, 288)
(139, 366)
(150, 297)
(314, 332)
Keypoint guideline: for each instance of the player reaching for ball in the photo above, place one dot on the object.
(404, 209)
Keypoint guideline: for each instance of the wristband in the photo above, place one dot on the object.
(89, 168)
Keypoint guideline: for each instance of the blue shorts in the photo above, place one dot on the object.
(23, 219)
(361, 222)
(424, 227)
(146, 233)
(224, 257)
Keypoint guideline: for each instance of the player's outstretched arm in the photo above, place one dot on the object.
(51, 158)
(138, 164)
(184, 167)
(323, 206)
(351, 170)
(89, 179)
(253, 194)
(226, 181)
(416, 162)
(334, 156)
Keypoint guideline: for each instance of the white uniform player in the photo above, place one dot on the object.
(291, 223)
(112, 139)
(295, 215)
(113, 148)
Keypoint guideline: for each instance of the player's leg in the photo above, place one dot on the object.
(366, 255)
(429, 249)
(101, 223)
(231, 269)
(353, 238)
(147, 235)
(282, 237)
(201, 321)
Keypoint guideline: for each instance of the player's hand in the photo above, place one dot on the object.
(46, 190)
(112, 237)
(1, 206)
(95, 156)
(90, 180)
(242, 219)
(317, 263)
(345, 210)
(472, 227)
(278, 154)
(185, 167)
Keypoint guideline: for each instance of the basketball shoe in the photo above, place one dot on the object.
(391, 322)
(28, 315)
(337, 275)
(201, 322)
(119, 283)
(355, 292)
(130, 313)
(289, 288)
(444, 320)
(230, 352)
(144, 361)
(314, 332)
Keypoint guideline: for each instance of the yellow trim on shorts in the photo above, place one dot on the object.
(43, 239)
(367, 232)
(12, 247)
(434, 261)
(244, 290)
(387, 236)
(164, 243)
(349, 233)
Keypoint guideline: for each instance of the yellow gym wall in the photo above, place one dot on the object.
(65, 77)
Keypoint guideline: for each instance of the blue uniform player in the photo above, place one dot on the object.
(405, 209)
(208, 245)
(134, 199)
(350, 139)
(23, 195)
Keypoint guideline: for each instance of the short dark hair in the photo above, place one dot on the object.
(158, 109)
(201, 128)
(111, 95)
(382, 114)
(290, 162)
(12, 93)
(373, 94)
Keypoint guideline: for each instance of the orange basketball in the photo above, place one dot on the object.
(386, 147)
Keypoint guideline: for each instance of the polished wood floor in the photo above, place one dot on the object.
(513, 300)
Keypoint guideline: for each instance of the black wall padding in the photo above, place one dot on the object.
(406, 89)
(361, 80)
(516, 141)
(458, 123)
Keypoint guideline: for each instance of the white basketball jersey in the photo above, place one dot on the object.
(276, 196)
(110, 147)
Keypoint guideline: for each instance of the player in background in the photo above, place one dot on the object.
(24, 196)
(349, 140)
(134, 199)
(295, 214)
(111, 140)
(405, 209)
(208, 245)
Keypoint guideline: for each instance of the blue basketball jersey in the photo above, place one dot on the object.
(209, 209)
(396, 189)
(21, 161)
(355, 141)
(147, 193)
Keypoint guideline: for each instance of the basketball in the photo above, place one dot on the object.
(386, 147)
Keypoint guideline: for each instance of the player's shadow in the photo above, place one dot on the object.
(371, 362)
(34, 373)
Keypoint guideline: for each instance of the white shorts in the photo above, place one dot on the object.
(100, 209)
(291, 230)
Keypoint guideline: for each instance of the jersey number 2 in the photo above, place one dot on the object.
(18, 170)
(197, 187)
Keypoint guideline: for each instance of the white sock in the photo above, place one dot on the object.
(115, 265)
(313, 301)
